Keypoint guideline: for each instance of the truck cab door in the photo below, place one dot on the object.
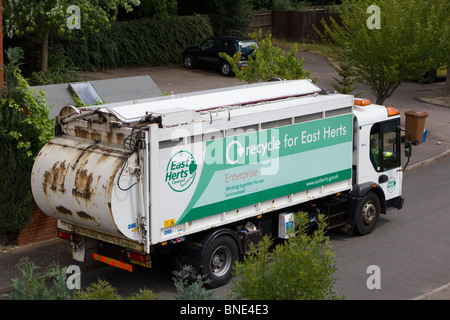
(386, 158)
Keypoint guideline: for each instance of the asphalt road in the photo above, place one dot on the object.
(409, 246)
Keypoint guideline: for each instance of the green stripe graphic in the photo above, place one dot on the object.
(249, 168)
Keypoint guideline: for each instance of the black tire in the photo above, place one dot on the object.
(189, 61)
(218, 259)
(367, 214)
(226, 69)
(430, 77)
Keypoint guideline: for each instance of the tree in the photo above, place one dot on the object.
(2, 80)
(268, 62)
(391, 41)
(447, 83)
(232, 17)
(155, 9)
(345, 85)
(40, 18)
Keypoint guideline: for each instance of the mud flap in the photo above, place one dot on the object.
(82, 248)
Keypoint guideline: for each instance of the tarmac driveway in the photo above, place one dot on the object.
(173, 78)
(177, 79)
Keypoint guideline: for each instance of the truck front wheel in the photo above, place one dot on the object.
(367, 214)
(218, 260)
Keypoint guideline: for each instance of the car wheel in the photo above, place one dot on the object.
(430, 77)
(226, 69)
(189, 62)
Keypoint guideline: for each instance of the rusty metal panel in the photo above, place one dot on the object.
(77, 180)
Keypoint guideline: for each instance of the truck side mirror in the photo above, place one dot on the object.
(408, 149)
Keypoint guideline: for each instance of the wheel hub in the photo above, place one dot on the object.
(226, 68)
(221, 261)
(369, 213)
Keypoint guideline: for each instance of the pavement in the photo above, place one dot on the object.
(175, 78)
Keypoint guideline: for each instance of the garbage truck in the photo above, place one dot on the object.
(202, 175)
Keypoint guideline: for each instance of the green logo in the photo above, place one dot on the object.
(391, 185)
(181, 171)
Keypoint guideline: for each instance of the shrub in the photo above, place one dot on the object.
(102, 290)
(301, 268)
(142, 42)
(188, 290)
(268, 62)
(33, 286)
(60, 70)
(144, 294)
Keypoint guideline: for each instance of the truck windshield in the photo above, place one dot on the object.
(385, 145)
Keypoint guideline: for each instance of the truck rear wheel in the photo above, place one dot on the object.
(218, 259)
(367, 214)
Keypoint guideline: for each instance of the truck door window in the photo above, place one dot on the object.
(391, 156)
(375, 150)
(385, 146)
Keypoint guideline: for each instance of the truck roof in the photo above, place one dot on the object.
(132, 111)
(372, 113)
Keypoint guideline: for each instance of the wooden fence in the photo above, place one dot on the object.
(292, 25)
(262, 20)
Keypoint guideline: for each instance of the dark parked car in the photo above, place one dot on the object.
(207, 54)
(431, 76)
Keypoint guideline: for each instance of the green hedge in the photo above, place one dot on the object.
(15, 170)
(138, 43)
(25, 127)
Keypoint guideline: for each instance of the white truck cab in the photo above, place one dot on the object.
(377, 157)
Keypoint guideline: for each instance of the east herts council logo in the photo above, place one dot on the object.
(181, 171)
(391, 185)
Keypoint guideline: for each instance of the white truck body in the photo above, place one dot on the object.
(157, 171)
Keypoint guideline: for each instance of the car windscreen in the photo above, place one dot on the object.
(247, 47)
